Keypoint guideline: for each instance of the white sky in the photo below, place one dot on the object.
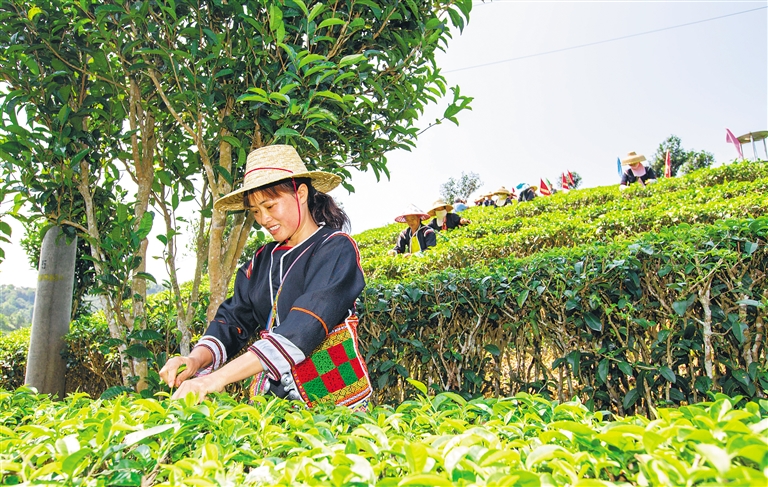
(577, 109)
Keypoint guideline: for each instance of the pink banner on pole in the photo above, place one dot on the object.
(729, 137)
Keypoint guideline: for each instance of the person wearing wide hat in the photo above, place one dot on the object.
(634, 171)
(503, 197)
(459, 204)
(488, 199)
(293, 293)
(444, 219)
(526, 192)
(415, 239)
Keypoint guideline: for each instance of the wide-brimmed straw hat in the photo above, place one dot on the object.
(502, 190)
(437, 204)
(411, 210)
(632, 158)
(271, 164)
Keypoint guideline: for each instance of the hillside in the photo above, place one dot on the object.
(16, 306)
(626, 300)
(568, 220)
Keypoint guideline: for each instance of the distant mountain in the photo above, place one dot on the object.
(16, 305)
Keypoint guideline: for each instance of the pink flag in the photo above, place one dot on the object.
(668, 167)
(729, 137)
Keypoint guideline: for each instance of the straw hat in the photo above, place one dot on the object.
(269, 165)
(412, 210)
(632, 158)
(502, 190)
(522, 186)
(437, 204)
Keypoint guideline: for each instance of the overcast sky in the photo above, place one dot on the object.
(543, 104)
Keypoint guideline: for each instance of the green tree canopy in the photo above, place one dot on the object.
(462, 187)
(682, 161)
(130, 107)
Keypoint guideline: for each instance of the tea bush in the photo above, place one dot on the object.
(627, 300)
(441, 440)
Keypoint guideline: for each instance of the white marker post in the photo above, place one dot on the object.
(46, 368)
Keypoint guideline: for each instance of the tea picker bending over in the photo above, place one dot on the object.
(415, 239)
(635, 172)
(297, 294)
(444, 219)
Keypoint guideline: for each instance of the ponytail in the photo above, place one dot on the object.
(324, 209)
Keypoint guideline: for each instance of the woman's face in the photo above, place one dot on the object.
(412, 220)
(636, 165)
(279, 215)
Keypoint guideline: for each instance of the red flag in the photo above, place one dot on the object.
(544, 189)
(570, 179)
(565, 183)
(729, 137)
(668, 166)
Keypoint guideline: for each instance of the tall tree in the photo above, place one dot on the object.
(461, 188)
(697, 160)
(199, 85)
(678, 156)
(682, 161)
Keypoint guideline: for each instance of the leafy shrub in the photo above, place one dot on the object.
(660, 319)
(428, 441)
(13, 357)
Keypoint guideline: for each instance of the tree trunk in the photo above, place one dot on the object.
(707, 331)
(46, 368)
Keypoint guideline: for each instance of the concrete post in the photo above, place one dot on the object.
(53, 310)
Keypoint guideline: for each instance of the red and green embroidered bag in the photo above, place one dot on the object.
(334, 372)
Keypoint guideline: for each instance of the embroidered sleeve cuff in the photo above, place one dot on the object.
(277, 354)
(218, 352)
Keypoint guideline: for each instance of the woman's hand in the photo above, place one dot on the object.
(200, 386)
(170, 371)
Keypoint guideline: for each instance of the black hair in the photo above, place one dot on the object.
(322, 207)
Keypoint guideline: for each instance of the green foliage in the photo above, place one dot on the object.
(461, 188)
(13, 358)
(596, 294)
(441, 440)
(677, 156)
(170, 92)
(682, 161)
(257, 239)
(593, 293)
(697, 160)
(564, 220)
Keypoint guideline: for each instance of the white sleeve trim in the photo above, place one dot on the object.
(218, 351)
(279, 352)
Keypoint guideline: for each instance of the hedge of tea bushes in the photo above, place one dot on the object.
(467, 316)
(441, 440)
(564, 220)
(659, 319)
